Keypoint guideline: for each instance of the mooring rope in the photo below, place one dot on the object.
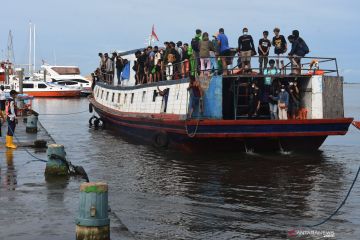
(342, 203)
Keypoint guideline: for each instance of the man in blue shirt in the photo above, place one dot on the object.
(224, 49)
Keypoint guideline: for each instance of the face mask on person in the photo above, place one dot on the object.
(245, 33)
(282, 89)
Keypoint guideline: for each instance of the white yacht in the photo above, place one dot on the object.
(64, 75)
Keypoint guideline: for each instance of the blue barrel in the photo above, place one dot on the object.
(31, 124)
(93, 205)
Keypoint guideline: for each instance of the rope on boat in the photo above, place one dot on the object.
(191, 135)
(357, 125)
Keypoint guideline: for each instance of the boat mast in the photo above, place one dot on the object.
(34, 49)
(10, 49)
(30, 47)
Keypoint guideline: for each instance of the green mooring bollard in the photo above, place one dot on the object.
(55, 166)
(93, 221)
(31, 124)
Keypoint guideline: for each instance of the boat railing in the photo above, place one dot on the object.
(286, 66)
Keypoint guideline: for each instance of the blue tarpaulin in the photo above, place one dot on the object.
(125, 75)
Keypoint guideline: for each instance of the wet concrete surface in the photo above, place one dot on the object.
(165, 194)
(35, 207)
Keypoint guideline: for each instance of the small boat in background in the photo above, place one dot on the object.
(43, 89)
(65, 76)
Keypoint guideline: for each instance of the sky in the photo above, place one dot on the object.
(72, 32)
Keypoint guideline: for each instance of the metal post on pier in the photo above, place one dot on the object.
(21, 80)
(44, 75)
(93, 221)
(56, 164)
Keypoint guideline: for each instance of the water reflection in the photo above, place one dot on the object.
(10, 180)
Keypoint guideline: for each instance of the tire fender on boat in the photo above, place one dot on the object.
(99, 123)
(91, 123)
(161, 139)
(90, 108)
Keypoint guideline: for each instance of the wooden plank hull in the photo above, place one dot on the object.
(235, 135)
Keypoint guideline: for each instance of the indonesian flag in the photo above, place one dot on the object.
(153, 34)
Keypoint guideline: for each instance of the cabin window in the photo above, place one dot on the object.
(119, 95)
(80, 81)
(107, 96)
(154, 96)
(28, 85)
(98, 92)
(125, 98)
(102, 93)
(113, 97)
(143, 96)
(41, 85)
(132, 98)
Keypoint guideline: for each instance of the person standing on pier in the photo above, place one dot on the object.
(11, 119)
(2, 102)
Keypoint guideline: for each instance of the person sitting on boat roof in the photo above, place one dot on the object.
(246, 49)
(224, 50)
(254, 100)
(280, 45)
(298, 50)
(283, 103)
(263, 49)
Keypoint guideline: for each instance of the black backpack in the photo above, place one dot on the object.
(303, 46)
(195, 44)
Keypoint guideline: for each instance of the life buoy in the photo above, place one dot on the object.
(160, 139)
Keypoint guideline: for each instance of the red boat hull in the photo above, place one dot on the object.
(236, 135)
(75, 93)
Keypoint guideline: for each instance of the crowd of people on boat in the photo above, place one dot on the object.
(205, 56)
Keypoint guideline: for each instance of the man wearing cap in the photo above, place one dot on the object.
(11, 119)
(246, 48)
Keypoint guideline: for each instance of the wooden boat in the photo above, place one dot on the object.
(140, 111)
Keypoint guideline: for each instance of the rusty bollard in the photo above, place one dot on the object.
(56, 164)
(93, 221)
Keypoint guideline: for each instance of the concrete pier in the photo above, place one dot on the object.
(32, 207)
